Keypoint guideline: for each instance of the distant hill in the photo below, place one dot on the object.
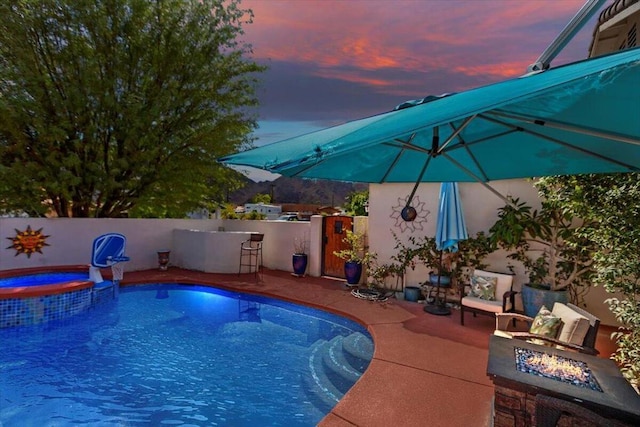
(296, 190)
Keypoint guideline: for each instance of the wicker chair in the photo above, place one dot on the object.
(578, 333)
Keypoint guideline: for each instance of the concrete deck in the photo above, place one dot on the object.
(426, 370)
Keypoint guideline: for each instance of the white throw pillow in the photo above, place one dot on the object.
(574, 325)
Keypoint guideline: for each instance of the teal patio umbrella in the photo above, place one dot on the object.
(450, 224)
(582, 117)
(450, 229)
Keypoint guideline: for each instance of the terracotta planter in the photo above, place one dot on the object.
(163, 259)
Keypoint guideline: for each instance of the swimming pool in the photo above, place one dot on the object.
(166, 354)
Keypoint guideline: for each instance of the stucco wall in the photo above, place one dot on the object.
(69, 240)
(480, 208)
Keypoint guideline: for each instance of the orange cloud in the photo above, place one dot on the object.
(496, 38)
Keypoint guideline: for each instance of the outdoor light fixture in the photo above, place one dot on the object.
(408, 213)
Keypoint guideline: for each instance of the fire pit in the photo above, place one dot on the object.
(521, 370)
(555, 367)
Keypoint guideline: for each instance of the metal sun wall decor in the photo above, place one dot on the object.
(28, 241)
(421, 217)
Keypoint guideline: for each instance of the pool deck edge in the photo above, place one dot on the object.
(426, 370)
(417, 376)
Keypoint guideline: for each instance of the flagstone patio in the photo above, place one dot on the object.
(426, 371)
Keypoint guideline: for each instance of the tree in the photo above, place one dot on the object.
(356, 202)
(613, 203)
(550, 242)
(261, 198)
(120, 107)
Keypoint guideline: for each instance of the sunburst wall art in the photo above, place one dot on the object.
(422, 214)
(28, 241)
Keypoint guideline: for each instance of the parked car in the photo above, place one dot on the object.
(287, 217)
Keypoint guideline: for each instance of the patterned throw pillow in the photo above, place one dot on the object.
(484, 287)
(546, 324)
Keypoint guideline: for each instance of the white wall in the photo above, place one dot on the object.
(70, 240)
(480, 208)
(479, 204)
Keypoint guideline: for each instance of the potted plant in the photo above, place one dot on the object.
(380, 275)
(300, 257)
(355, 256)
(452, 269)
(441, 263)
(470, 256)
(557, 258)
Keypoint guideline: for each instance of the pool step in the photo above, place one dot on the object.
(335, 366)
(358, 350)
(320, 389)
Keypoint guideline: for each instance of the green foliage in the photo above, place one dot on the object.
(472, 252)
(121, 107)
(254, 215)
(229, 212)
(549, 243)
(612, 203)
(356, 202)
(357, 251)
(469, 256)
(261, 198)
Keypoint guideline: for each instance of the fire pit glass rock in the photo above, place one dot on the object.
(555, 367)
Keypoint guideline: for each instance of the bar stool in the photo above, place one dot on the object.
(251, 253)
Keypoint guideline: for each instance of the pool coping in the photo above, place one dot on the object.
(42, 290)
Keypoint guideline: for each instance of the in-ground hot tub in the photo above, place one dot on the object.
(31, 296)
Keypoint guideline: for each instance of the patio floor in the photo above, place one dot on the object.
(426, 371)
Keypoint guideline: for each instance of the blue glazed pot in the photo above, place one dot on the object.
(299, 264)
(535, 297)
(352, 272)
(445, 281)
(412, 293)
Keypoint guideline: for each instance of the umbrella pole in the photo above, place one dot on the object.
(439, 308)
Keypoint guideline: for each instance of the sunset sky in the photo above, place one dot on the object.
(333, 61)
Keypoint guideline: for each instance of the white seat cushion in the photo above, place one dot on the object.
(574, 325)
(482, 304)
(503, 285)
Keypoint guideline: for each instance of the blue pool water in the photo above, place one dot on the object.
(41, 279)
(178, 355)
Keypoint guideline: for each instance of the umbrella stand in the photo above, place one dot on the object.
(409, 212)
(438, 307)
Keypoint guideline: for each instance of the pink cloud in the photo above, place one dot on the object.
(489, 37)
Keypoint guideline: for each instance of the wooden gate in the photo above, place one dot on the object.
(334, 229)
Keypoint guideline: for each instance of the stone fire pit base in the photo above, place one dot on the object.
(515, 392)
